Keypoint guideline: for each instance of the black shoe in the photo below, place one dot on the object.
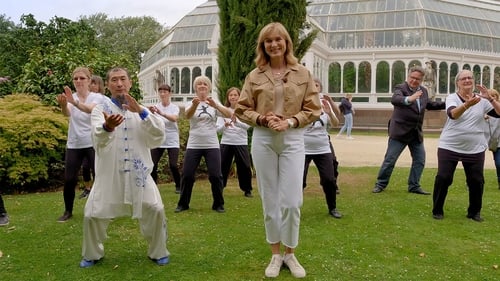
(377, 189)
(438, 216)
(4, 219)
(476, 217)
(84, 194)
(419, 191)
(178, 190)
(248, 194)
(180, 209)
(337, 191)
(219, 209)
(334, 213)
(66, 216)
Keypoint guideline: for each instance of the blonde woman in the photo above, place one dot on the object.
(279, 98)
(202, 113)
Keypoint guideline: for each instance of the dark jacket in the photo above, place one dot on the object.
(406, 121)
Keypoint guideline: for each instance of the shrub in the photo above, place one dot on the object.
(32, 143)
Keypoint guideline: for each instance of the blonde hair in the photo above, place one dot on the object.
(263, 58)
(201, 79)
(83, 69)
(494, 94)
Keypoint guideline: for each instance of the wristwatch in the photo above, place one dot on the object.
(290, 123)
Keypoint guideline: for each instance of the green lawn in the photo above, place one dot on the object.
(386, 236)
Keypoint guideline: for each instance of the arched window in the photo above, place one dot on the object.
(196, 73)
(382, 80)
(453, 74)
(486, 77)
(185, 81)
(398, 73)
(443, 78)
(414, 63)
(477, 73)
(496, 79)
(334, 77)
(364, 77)
(208, 73)
(174, 80)
(349, 78)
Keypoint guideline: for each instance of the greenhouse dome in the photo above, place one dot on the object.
(364, 47)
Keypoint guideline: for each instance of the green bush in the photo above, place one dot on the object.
(32, 143)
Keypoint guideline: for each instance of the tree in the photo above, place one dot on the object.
(240, 24)
(127, 35)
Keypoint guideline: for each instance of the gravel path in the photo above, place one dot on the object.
(370, 151)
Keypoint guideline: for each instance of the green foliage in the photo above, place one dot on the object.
(240, 24)
(32, 141)
(389, 236)
(40, 57)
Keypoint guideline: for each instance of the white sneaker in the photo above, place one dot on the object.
(295, 268)
(350, 138)
(273, 269)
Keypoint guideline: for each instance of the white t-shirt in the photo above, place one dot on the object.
(79, 123)
(316, 136)
(234, 134)
(202, 127)
(466, 134)
(171, 128)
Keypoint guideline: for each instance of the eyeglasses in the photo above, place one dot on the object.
(79, 78)
(466, 78)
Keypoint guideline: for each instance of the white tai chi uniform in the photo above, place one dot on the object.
(123, 185)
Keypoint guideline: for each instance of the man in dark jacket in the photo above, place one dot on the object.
(410, 100)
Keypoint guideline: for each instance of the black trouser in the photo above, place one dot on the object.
(243, 168)
(192, 159)
(88, 172)
(2, 206)
(327, 179)
(173, 157)
(73, 163)
(473, 167)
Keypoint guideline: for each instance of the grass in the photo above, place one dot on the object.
(387, 236)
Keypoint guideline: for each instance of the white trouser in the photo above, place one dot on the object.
(153, 226)
(279, 163)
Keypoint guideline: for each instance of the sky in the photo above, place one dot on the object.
(166, 12)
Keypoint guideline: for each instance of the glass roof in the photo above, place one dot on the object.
(462, 24)
(399, 23)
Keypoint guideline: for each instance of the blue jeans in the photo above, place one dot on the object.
(496, 157)
(347, 125)
(394, 149)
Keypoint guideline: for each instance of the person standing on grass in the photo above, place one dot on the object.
(348, 112)
(410, 101)
(202, 113)
(88, 173)
(123, 133)
(463, 140)
(317, 149)
(77, 106)
(169, 113)
(336, 112)
(494, 133)
(234, 144)
(279, 98)
(4, 217)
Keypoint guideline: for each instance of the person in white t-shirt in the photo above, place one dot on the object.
(202, 113)
(169, 113)
(234, 145)
(463, 139)
(77, 106)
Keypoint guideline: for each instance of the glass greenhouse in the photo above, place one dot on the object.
(364, 47)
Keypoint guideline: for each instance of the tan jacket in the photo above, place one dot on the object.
(301, 99)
